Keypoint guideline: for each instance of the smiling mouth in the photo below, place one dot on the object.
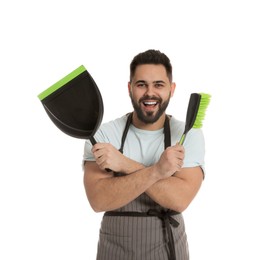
(150, 103)
(150, 106)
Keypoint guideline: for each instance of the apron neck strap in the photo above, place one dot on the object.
(167, 134)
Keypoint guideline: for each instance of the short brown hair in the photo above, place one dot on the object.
(151, 57)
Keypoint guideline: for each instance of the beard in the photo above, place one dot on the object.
(149, 117)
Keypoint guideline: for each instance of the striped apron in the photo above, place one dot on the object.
(143, 230)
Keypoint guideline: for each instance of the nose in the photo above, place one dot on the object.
(149, 91)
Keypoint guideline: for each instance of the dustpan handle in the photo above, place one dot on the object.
(93, 142)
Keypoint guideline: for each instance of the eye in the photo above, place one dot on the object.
(141, 85)
(159, 85)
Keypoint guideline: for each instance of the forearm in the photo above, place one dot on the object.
(175, 192)
(110, 193)
(106, 192)
(170, 193)
(131, 166)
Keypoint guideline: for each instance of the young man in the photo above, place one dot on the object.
(153, 179)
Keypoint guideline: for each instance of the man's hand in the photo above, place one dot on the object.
(170, 161)
(108, 157)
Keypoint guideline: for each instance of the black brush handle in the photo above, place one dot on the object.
(193, 107)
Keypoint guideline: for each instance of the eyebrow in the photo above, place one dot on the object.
(145, 82)
(159, 81)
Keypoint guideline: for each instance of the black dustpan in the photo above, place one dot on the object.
(74, 104)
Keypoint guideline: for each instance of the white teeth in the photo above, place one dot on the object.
(150, 103)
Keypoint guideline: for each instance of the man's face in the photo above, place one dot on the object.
(150, 92)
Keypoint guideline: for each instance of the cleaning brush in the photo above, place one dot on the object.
(196, 112)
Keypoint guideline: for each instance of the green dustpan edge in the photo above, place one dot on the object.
(61, 82)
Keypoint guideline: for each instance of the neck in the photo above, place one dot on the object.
(150, 127)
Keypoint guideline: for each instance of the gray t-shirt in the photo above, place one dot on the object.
(146, 146)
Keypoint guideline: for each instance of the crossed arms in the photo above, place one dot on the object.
(166, 182)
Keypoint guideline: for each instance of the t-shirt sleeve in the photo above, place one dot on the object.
(88, 155)
(194, 149)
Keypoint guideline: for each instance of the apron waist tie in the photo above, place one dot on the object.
(165, 216)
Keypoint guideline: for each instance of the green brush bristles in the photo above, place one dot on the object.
(198, 104)
(204, 102)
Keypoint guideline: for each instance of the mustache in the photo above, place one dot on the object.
(147, 97)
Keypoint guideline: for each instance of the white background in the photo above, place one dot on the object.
(214, 46)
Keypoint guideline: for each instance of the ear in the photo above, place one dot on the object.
(129, 88)
(172, 90)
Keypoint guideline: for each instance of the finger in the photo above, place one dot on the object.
(102, 163)
(98, 146)
(180, 163)
(180, 156)
(181, 148)
(98, 153)
(99, 160)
